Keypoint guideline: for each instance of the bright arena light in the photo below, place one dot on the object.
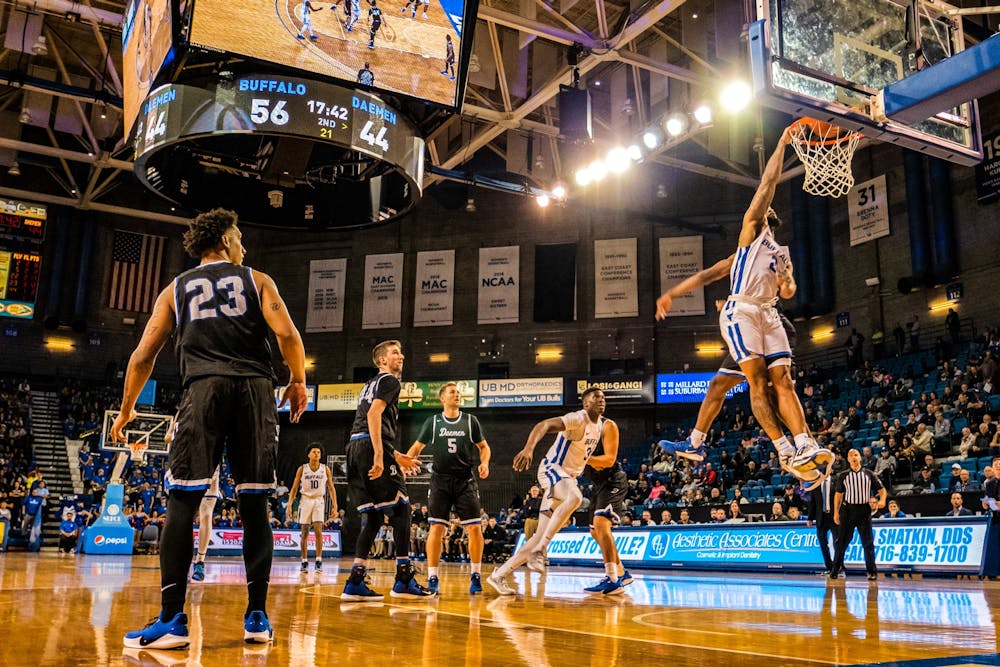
(583, 176)
(542, 200)
(676, 125)
(559, 191)
(735, 96)
(650, 139)
(703, 114)
(634, 152)
(617, 160)
(598, 170)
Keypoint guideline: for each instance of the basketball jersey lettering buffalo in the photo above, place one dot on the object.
(221, 329)
(755, 270)
(574, 444)
(313, 482)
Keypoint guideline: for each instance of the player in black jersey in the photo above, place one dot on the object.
(365, 76)
(461, 453)
(220, 314)
(449, 58)
(607, 501)
(375, 476)
(374, 23)
(729, 374)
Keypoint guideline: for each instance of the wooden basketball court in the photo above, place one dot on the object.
(73, 610)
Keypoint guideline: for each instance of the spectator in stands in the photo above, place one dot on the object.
(899, 334)
(735, 514)
(964, 483)
(33, 504)
(666, 518)
(893, 511)
(709, 477)
(646, 519)
(69, 532)
(5, 511)
(685, 519)
(794, 514)
(924, 482)
(957, 508)
(967, 442)
(494, 539)
(914, 330)
(790, 498)
(778, 512)
(942, 432)
(739, 497)
(935, 470)
(982, 443)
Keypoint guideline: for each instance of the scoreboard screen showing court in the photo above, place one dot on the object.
(415, 48)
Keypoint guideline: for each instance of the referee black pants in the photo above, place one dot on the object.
(855, 517)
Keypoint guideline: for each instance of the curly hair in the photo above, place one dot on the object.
(205, 231)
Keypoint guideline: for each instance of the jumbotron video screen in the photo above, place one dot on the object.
(147, 35)
(410, 47)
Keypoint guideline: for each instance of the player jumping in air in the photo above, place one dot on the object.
(307, 10)
(315, 482)
(414, 3)
(449, 58)
(374, 23)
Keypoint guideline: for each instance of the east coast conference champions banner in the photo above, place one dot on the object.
(327, 279)
(434, 293)
(383, 291)
(616, 289)
(680, 257)
(499, 278)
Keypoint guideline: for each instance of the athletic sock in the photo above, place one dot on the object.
(697, 437)
(611, 570)
(803, 440)
(619, 569)
(784, 447)
(432, 571)
(477, 568)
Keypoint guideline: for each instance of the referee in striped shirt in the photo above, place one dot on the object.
(851, 511)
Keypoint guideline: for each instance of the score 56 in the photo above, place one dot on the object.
(261, 112)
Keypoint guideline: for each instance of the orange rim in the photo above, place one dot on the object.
(834, 134)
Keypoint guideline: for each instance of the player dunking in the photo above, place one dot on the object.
(315, 482)
(365, 76)
(374, 22)
(607, 502)
(449, 58)
(579, 433)
(307, 10)
(375, 475)
(219, 313)
(761, 272)
(461, 453)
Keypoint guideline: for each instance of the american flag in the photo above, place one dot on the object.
(136, 264)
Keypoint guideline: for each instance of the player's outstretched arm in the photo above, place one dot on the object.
(140, 364)
(761, 201)
(717, 271)
(289, 343)
(415, 449)
(522, 460)
(609, 436)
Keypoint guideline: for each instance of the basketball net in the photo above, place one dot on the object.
(137, 451)
(826, 152)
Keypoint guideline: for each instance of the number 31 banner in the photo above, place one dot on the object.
(868, 206)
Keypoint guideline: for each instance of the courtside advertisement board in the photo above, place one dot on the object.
(906, 545)
(517, 393)
(688, 387)
(229, 541)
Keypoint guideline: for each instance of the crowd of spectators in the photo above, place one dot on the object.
(22, 489)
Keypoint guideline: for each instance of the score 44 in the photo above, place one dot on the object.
(368, 136)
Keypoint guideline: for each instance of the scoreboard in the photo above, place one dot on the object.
(18, 283)
(21, 220)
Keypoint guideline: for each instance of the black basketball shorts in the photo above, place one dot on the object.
(235, 415)
(608, 497)
(381, 493)
(448, 491)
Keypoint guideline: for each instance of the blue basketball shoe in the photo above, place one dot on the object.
(198, 573)
(626, 579)
(406, 585)
(433, 583)
(356, 589)
(162, 634)
(475, 583)
(257, 629)
(606, 586)
(683, 449)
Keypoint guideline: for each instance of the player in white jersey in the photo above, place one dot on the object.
(307, 25)
(205, 512)
(579, 432)
(751, 327)
(315, 481)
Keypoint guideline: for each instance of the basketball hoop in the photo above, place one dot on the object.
(826, 152)
(137, 451)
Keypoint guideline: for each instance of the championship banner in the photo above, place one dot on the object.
(338, 397)
(229, 541)
(424, 395)
(499, 274)
(616, 389)
(520, 393)
(434, 294)
(383, 291)
(868, 210)
(616, 290)
(680, 257)
(279, 394)
(327, 278)
(987, 171)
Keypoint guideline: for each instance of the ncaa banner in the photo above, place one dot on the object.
(499, 273)
(868, 210)
(435, 292)
(338, 397)
(680, 257)
(383, 291)
(327, 278)
(616, 291)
